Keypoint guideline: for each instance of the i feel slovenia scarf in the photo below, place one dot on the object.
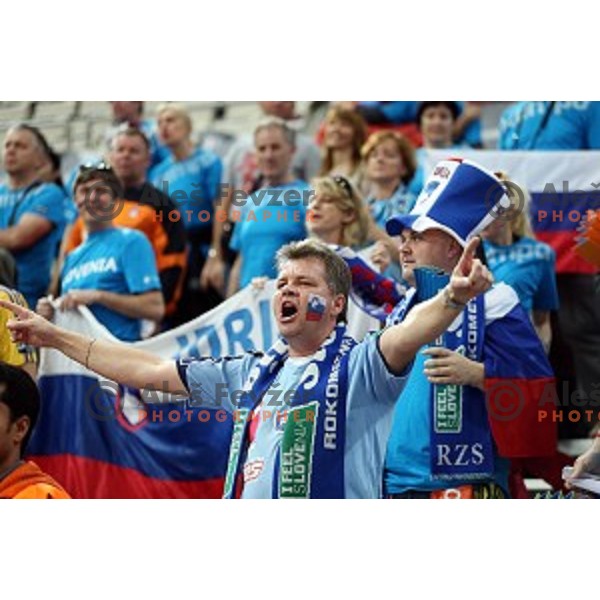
(310, 460)
(460, 438)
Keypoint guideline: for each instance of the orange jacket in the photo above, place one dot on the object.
(166, 236)
(29, 482)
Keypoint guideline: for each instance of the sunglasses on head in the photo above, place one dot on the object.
(344, 184)
(100, 167)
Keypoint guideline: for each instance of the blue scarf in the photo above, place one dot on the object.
(310, 462)
(460, 438)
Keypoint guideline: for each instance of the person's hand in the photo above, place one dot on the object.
(448, 367)
(213, 274)
(76, 298)
(589, 462)
(469, 278)
(381, 257)
(258, 283)
(30, 328)
(45, 308)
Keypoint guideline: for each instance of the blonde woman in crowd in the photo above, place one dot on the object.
(515, 257)
(337, 214)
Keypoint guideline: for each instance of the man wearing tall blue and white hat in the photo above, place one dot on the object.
(471, 401)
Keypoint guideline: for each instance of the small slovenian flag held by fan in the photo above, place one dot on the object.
(316, 308)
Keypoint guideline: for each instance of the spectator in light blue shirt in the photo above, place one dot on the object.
(114, 271)
(518, 259)
(191, 177)
(32, 213)
(549, 125)
(275, 214)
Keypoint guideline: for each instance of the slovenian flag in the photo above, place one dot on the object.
(87, 439)
(99, 441)
(316, 308)
(519, 380)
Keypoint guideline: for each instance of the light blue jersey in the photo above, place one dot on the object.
(117, 260)
(34, 264)
(193, 184)
(471, 136)
(372, 391)
(268, 219)
(544, 125)
(528, 266)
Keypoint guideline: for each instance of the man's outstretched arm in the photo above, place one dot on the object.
(118, 362)
(428, 321)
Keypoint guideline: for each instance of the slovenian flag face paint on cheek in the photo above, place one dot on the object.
(315, 310)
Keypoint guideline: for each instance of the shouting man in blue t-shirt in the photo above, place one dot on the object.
(313, 414)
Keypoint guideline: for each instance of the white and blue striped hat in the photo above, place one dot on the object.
(460, 197)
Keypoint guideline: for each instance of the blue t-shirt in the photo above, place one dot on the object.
(471, 136)
(193, 184)
(533, 126)
(407, 461)
(528, 266)
(117, 260)
(34, 264)
(372, 391)
(269, 219)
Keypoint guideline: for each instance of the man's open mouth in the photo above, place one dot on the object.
(288, 311)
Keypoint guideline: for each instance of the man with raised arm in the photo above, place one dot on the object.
(313, 414)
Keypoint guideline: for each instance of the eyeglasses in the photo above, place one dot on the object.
(344, 184)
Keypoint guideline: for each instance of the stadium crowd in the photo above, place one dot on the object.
(160, 230)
